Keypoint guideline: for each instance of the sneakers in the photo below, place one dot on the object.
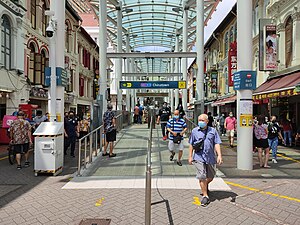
(205, 201)
(27, 164)
(112, 155)
(19, 167)
(172, 156)
(165, 138)
(274, 161)
(179, 163)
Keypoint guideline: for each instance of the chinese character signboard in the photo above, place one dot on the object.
(232, 62)
(96, 84)
(244, 80)
(285, 93)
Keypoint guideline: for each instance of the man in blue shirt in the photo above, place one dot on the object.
(204, 142)
(176, 127)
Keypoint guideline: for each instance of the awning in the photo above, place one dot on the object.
(278, 87)
(224, 101)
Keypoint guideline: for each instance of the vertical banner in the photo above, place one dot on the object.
(271, 47)
(96, 85)
(267, 45)
(232, 62)
(214, 82)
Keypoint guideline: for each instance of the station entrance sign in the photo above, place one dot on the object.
(152, 84)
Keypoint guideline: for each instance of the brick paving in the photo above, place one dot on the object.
(26, 199)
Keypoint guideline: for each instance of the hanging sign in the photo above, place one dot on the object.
(232, 62)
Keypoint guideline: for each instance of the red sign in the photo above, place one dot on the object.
(232, 62)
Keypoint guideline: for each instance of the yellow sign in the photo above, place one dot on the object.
(246, 120)
(181, 84)
(127, 85)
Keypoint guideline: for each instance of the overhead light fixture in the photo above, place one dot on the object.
(128, 10)
(134, 35)
(170, 35)
(177, 9)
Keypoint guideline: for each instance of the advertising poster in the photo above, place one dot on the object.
(271, 47)
(214, 82)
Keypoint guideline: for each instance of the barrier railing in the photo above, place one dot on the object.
(148, 175)
(91, 144)
(190, 125)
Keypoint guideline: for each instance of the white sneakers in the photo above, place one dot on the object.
(274, 161)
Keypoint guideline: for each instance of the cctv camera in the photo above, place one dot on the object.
(49, 30)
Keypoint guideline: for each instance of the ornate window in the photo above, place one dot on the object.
(6, 42)
(44, 64)
(288, 42)
(226, 44)
(231, 37)
(33, 13)
(31, 69)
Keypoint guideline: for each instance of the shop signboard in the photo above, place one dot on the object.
(214, 82)
(275, 94)
(62, 78)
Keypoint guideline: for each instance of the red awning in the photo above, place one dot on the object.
(224, 101)
(277, 84)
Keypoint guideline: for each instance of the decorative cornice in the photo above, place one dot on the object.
(280, 27)
(277, 6)
(296, 16)
(14, 7)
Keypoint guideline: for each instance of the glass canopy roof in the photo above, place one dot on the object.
(151, 24)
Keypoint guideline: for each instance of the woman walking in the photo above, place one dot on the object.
(261, 134)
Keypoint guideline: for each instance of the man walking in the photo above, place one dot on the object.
(230, 126)
(163, 117)
(204, 141)
(109, 121)
(71, 133)
(177, 127)
(20, 134)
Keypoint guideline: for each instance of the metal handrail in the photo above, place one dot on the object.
(148, 175)
(93, 147)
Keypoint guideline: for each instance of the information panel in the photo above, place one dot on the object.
(152, 84)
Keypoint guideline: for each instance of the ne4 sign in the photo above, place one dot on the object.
(243, 80)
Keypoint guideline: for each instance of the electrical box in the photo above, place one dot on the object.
(49, 148)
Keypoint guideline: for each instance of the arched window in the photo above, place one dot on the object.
(31, 69)
(231, 37)
(44, 19)
(288, 42)
(6, 42)
(44, 63)
(33, 13)
(226, 44)
(67, 38)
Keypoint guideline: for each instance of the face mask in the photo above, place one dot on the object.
(223, 115)
(202, 124)
(231, 115)
(71, 116)
(176, 117)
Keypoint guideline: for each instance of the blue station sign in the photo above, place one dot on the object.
(152, 85)
(244, 80)
(61, 77)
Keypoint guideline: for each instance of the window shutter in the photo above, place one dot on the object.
(288, 42)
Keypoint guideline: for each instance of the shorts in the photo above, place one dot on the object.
(111, 136)
(175, 147)
(21, 148)
(204, 171)
(230, 133)
(262, 143)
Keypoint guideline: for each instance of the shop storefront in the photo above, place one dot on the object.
(225, 105)
(277, 96)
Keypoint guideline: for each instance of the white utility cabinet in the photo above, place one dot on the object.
(49, 148)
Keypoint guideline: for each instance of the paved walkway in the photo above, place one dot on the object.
(260, 196)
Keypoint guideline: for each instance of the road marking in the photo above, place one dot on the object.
(99, 202)
(5, 157)
(262, 192)
(288, 158)
(196, 201)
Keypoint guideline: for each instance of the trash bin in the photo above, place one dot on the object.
(49, 148)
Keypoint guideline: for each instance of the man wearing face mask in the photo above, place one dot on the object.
(203, 155)
(71, 133)
(177, 127)
(163, 117)
(230, 126)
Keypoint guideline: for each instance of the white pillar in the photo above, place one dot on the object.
(296, 38)
(244, 62)
(200, 54)
(52, 89)
(281, 46)
(172, 90)
(133, 91)
(184, 60)
(128, 60)
(102, 53)
(119, 60)
(176, 70)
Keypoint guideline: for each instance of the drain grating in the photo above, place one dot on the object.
(95, 222)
